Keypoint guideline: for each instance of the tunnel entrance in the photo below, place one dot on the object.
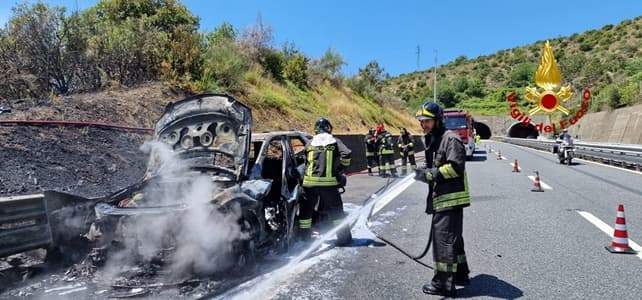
(523, 131)
(482, 130)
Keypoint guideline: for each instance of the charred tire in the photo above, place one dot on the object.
(245, 250)
(68, 252)
(290, 233)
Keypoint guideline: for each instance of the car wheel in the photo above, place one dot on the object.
(245, 252)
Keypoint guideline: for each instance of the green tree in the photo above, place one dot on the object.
(39, 37)
(330, 64)
(373, 74)
(225, 33)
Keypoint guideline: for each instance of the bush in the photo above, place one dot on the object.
(296, 69)
(223, 67)
(571, 65)
(273, 62)
(586, 47)
(522, 75)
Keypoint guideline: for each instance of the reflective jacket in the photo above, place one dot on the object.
(327, 158)
(446, 160)
(386, 145)
(405, 144)
(371, 145)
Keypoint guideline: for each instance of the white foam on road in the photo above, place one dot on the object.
(608, 229)
(267, 285)
(393, 192)
(542, 183)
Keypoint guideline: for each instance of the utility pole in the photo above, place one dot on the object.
(434, 79)
(418, 56)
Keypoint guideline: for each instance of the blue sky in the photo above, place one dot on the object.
(389, 31)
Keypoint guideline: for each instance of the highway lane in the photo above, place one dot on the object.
(519, 243)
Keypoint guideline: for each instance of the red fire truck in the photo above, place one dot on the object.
(461, 122)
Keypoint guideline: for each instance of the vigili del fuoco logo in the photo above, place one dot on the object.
(549, 96)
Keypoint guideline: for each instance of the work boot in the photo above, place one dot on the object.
(429, 289)
(344, 236)
(369, 171)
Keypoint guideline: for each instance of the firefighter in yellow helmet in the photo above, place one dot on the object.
(327, 159)
(445, 175)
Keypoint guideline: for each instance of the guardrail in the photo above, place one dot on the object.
(626, 156)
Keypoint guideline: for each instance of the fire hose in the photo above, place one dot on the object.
(415, 258)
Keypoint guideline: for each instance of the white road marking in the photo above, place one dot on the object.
(518, 167)
(584, 160)
(393, 192)
(544, 185)
(608, 230)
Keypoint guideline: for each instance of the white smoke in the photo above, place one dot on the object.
(198, 238)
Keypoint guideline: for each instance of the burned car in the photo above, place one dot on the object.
(208, 189)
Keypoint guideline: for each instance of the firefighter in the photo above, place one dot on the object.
(327, 159)
(371, 148)
(386, 152)
(447, 196)
(406, 150)
(378, 137)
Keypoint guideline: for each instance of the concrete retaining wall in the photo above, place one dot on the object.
(622, 126)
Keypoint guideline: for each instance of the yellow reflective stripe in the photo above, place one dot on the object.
(308, 172)
(345, 162)
(305, 223)
(328, 163)
(448, 171)
(446, 267)
(461, 259)
(453, 199)
(411, 145)
(370, 154)
(319, 181)
(386, 151)
(411, 152)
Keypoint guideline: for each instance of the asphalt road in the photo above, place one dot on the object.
(520, 244)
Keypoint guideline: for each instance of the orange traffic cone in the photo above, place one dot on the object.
(620, 243)
(537, 186)
(516, 167)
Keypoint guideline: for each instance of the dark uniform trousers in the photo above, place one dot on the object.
(448, 248)
(407, 155)
(329, 200)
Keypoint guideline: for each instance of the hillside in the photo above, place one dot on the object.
(274, 107)
(608, 60)
(115, 61)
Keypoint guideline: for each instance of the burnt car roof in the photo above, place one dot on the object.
(267, 135)
(210, 131)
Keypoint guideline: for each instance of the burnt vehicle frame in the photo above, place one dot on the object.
(265, 199)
